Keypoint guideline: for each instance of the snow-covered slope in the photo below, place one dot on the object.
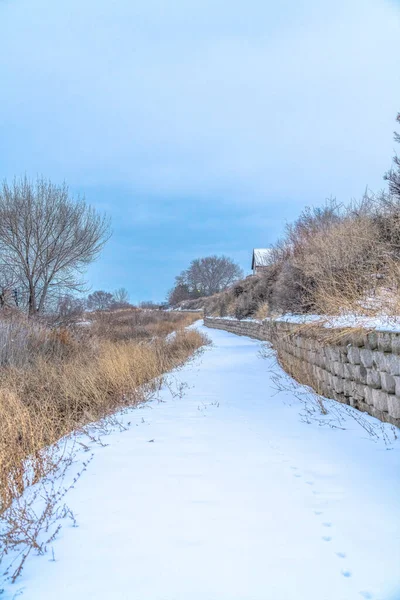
(227, 494)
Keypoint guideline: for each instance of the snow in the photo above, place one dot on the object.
(261, 257)
(233, 319)
(379, 323)
(226, 493)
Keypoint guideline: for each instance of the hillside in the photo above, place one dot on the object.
(248, 297)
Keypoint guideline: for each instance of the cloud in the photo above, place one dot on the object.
(199, 125)
(250, 102)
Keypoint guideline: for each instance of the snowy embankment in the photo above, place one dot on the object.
(380, 323)
(225, 493)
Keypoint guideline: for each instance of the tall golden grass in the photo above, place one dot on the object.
(81, 376)
(332, 260)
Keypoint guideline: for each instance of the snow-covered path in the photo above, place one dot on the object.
(235, 499)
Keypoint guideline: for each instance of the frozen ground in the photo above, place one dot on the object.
(388, 323)
(227, 494)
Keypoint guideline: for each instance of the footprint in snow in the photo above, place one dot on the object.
(327, 538)
(366, 595)
(346, 573)
(309, 482)
(341, 554)
(297, 475)
(318, 512)
(327, 524)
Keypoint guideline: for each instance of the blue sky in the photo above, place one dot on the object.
(200, 126)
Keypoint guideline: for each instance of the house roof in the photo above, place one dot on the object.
(261, 257)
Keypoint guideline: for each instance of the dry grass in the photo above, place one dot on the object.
(132, 323)
(262, 311)
(298, 382)
(332, 260)
(60, 380)
(346, 259)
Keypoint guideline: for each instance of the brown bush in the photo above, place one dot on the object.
(55, 384)
(331, 260)
(23, 341)
(353, 265)
(133, 323)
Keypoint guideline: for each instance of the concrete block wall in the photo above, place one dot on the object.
(361, 369)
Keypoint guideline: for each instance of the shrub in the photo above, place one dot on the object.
(332, 259)
(238, 290)
(54, 381)
(245, 307)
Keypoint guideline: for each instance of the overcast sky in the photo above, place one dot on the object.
(201, 126)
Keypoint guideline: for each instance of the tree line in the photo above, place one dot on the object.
(69, 305)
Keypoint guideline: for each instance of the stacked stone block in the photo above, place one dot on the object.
(361, 369)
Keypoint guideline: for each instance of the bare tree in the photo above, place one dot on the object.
(69, 308)
(121, 296)
(47, 239)
(209, 275)
(148, 304)
(100, 300)
(8, 286)
(179, 293)
(393, 176)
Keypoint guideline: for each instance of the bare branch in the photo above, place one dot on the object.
(47, 238)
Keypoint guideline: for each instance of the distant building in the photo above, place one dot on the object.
(261, 259)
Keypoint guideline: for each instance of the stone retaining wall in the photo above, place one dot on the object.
(358, 368)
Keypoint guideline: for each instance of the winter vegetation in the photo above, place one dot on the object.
(55, 381)
(332, 260)
(233, 482)
(66, 361)
(71, 364)
(200, 332)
